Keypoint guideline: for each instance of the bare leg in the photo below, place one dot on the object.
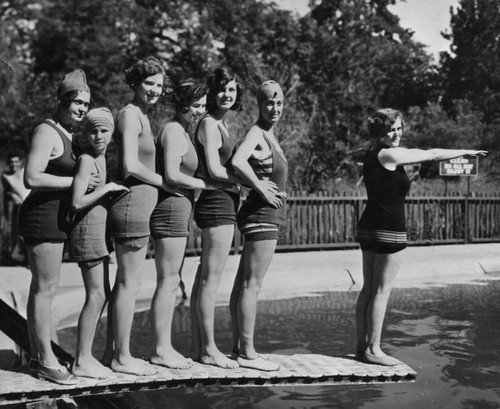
(233, 306)
(257, 256)
(169, 256)
(95, 299)
(130, 263)
(195, 324)
(45, 264)
(385, 269)
(109, 348)
(363, 301)
(216, 246)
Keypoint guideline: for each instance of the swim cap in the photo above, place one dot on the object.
(98, 117)
(269, 90)
(74, 81)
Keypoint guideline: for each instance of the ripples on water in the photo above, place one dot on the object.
(450, 335)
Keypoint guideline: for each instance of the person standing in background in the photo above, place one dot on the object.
(14, 193)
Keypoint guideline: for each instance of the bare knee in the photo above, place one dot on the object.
(129, 284)
(169, 282)
(45, 288)
(96, 296)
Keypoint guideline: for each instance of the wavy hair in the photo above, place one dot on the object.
(144, 68)
(216, 82)
(185, 92)
(379, 124)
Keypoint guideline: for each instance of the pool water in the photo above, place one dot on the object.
(449, 334)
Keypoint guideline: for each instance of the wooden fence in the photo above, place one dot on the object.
(323, 221)
(328, 221)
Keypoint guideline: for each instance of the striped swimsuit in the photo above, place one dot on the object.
(256, 219)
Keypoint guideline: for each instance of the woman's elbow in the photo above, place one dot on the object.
(216, 174)
(237, 164)
(30, 182)
(77, 205)
(171, 179)
(131, 169)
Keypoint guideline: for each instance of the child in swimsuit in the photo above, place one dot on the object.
(87, 241)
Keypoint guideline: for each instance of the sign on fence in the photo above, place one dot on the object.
(458, 167)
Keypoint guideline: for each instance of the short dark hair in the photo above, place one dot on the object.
(144, 68)
(67, 98)
(187, 91)
(15, 153)
(217, 81)
(379, 124)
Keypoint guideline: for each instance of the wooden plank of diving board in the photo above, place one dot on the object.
(299, 369)
(15, 327)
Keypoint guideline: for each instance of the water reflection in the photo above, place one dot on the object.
(449, 335)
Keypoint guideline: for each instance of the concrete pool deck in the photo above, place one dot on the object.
(290, 274)
(298, 273)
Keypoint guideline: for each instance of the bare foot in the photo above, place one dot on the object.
(220, 360)
(259, 363)
(381, 359)
(133, 366)
(172, 359)
(236, 354)
(91, 368)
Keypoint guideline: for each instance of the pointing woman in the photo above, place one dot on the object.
(382, 228)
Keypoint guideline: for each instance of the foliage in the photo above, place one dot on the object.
(472, 69)
(336, 65)
(360, 59)
(431, 127)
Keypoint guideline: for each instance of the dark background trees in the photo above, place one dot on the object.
(336, 65)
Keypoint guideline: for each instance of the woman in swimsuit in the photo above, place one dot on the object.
(259, 160)
(382, 226)
(177, 161)
(45, 217)
(215, 211)
(129, 215)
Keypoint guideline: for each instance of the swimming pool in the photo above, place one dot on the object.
(449, 334)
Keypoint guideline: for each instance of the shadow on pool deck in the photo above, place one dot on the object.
(290, 274)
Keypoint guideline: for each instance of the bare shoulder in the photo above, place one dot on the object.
(255, 132)
(208, 124)
(392, 153)
(172, 134)
(46, 134)
(172, 127)
(86, 158)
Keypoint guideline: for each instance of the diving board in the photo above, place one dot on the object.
(299, 369)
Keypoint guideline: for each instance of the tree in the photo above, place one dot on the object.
(361, 59)
(472, 68)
